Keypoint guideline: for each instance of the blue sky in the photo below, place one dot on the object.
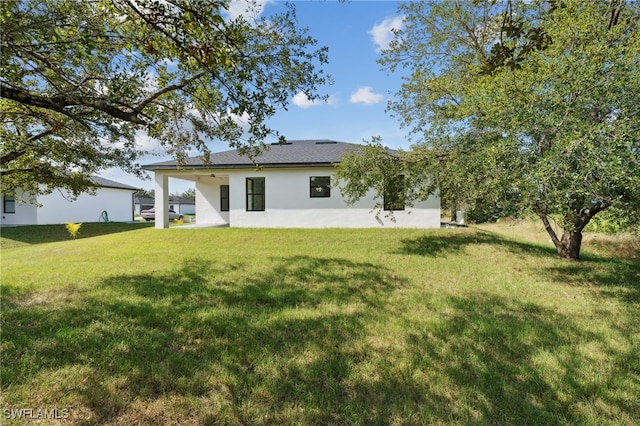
(354, 32)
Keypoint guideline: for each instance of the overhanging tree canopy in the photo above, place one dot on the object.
(80, 79)
(539, 99)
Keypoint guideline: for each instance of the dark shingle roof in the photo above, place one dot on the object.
(106, 183)
(179, 200)
(293, 153)
(172, 199)
(143, 200)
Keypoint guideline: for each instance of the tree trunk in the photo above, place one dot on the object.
(569, 247)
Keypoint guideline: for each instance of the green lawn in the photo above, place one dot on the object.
(133, 325)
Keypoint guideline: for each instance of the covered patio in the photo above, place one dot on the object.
(209, 188)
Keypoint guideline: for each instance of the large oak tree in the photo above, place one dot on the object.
(81, 80)
(529, 102)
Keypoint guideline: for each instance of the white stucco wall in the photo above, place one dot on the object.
(26, 214)
(208, 201)
(183, 208)
(289, 205)
(56, 209)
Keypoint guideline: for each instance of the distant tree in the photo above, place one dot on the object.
(146, 193)
(188, 194)
(80, 79)
(537, 99)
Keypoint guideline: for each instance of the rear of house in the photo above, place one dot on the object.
(293, 187)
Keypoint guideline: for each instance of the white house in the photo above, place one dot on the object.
(182, 205)
(291, 188)
(142, 203)
(112, 201)
(179, 205)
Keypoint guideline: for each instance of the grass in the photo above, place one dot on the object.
(131, 325)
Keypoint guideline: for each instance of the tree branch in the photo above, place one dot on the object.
(40, 135)
(616, 8)
(587, 213)
(142, 105)
(4, 172)
(179, 44)
(547, 226)
(60, 102)
(11, 156)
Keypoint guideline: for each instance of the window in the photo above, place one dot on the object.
(394, 193)
(9, 204)
(320, 186)
(255, 194)
(224, 198)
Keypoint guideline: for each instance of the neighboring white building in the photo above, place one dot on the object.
(114, 198)
(142, 203)
(182, 205)
(177, 204)
(291, 189)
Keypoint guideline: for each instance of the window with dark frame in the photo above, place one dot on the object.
(8, 204)
(224, 198)
(394, 193)
(320, 186)
(255, 194)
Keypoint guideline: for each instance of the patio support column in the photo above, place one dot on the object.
(162, 200)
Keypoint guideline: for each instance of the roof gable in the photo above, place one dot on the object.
(106, 183)
(321, 152)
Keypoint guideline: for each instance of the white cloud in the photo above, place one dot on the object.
(243, 121)
(303, 101)
(365, 95)
(249, 9)
(146, 143)
(332, 100)
(382, 33)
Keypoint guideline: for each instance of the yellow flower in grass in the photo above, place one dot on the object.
(73, 228)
